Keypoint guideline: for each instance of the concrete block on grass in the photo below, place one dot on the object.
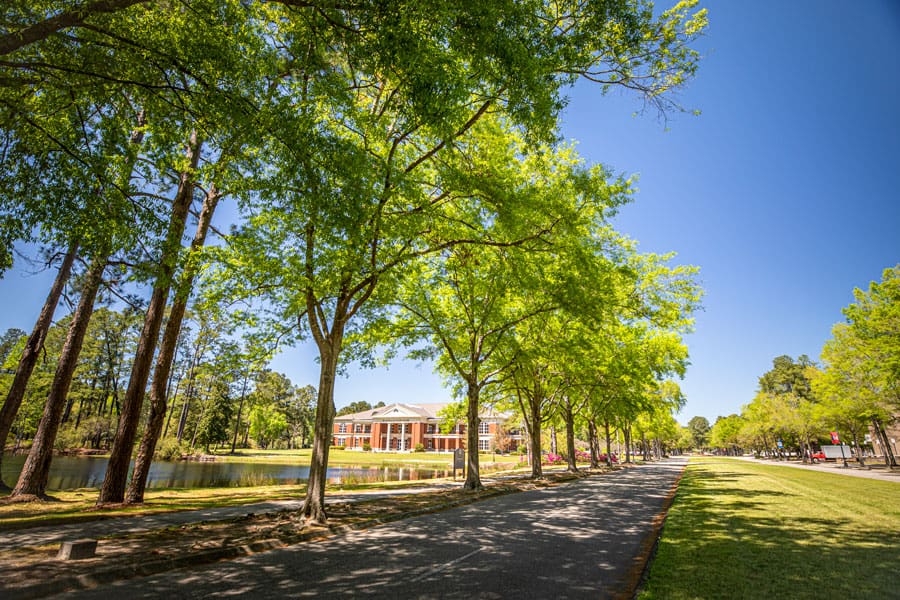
(77, 549)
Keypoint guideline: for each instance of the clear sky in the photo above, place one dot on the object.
(785, 191)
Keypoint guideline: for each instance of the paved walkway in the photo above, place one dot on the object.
(589, 538)
(875, 470)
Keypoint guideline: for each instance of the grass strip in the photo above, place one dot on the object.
(79, 505)
(739, 529)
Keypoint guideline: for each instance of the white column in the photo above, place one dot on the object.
(402, 436)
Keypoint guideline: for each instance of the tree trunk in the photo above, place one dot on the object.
(185, 407)
(608, 444)
(889, 460)
(592, 439)
(203, 408)
(570, 438)
(537, 471)
(473, 475)
(237, 424)
(313, 507)
(627, 435)
(35, 472)
(189, 391)
(113, 488)
(859, 452)
(553, 447)
(32, 350)
(160, 384)
(171, 394)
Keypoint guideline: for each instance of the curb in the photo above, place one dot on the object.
(641, 564)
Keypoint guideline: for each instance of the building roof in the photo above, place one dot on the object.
(411, 412)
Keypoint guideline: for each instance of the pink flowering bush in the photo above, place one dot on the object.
(554, 459)
(582, 456)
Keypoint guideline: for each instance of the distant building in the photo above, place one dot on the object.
(400, 427)
(892, 429)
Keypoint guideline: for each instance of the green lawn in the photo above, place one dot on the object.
(739, 529)
(359, 458)
(75, 505)
(79, 504)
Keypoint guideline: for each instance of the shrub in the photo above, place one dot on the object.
(554, 459)
(367, 447)
(66, 439)
(420, 447)
(169, 449)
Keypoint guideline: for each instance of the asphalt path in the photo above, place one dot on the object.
(577, 540)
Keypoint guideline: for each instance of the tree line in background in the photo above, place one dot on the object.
(855, 391)
(397, 181)
(213, 400)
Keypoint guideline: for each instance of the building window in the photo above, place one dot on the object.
(483, 427)
(429, 428)
(368, 429)
(358, 428)
(342, 428)
(484, 444)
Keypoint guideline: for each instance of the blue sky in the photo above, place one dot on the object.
(785, 191)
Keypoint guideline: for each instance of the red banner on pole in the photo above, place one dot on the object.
(834, 438)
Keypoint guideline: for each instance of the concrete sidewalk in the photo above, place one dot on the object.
(874, 470)
(587, 538)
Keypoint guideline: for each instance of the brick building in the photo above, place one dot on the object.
(400, 427)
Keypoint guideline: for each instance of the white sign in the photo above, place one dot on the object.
(835, 451)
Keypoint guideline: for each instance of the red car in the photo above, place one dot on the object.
(818, 455)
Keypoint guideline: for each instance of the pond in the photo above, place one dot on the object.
(70, 473)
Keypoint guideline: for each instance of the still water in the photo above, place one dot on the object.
(70, 473)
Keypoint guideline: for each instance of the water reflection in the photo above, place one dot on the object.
(69, 473)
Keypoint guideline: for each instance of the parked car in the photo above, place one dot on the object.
(818, 455)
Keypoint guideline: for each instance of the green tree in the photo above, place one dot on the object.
(699, 427)
(861, 377)
(267, 424)
(361, 190)
(354, 407)
(213, 426)
(725, 434)
(15, 394)
(8, 341)
(787, 376)
(299, 412)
